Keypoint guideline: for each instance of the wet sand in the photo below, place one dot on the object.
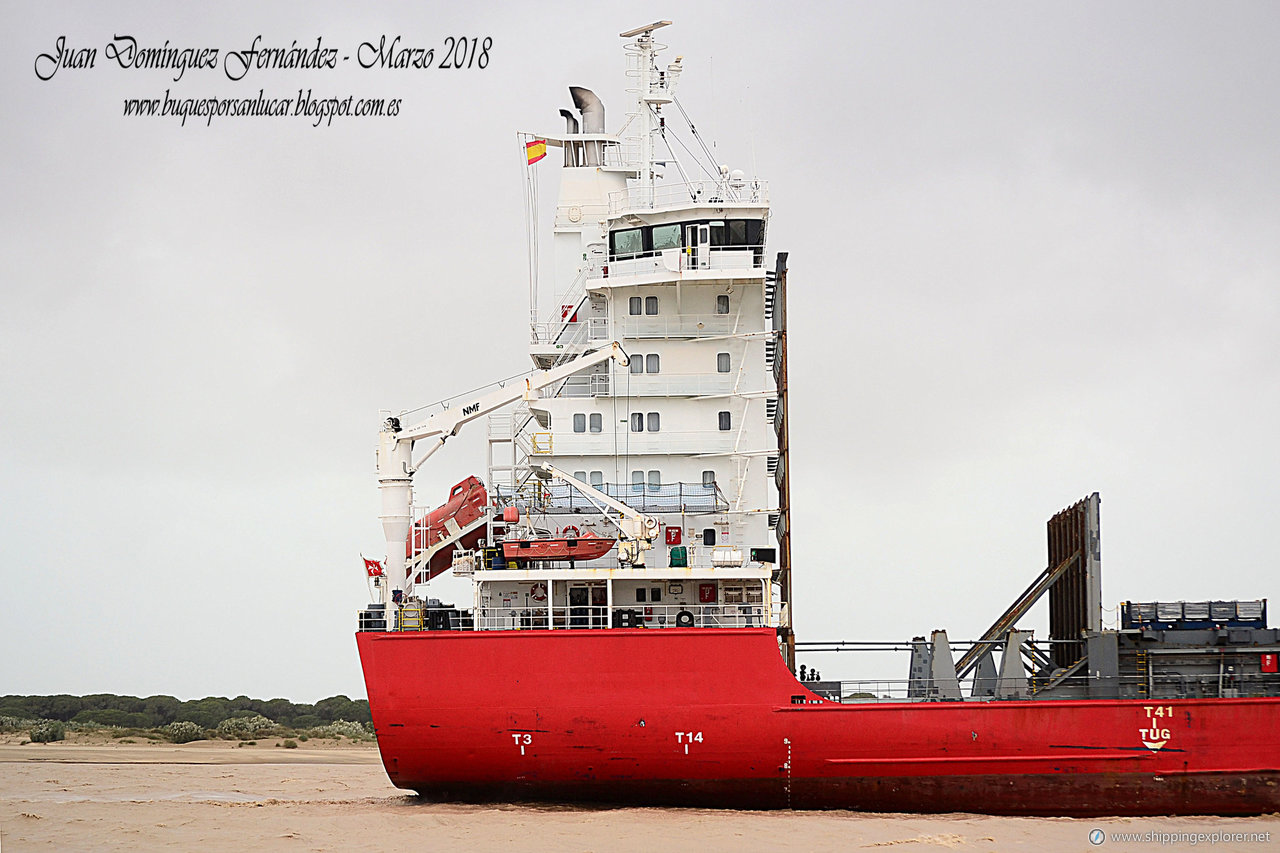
(214, 796)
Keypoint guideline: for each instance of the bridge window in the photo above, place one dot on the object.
(626, 244)
(666, 237)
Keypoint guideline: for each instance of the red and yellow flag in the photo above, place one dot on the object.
(537, 149)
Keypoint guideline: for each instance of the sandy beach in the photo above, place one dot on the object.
(215, 795)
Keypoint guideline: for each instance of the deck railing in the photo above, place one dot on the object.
(541, 616)
(722, 192)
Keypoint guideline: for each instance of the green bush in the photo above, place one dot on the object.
(183, 731)
(242, 728)
(290, 744)
(342, 728)
(48, 731)
(16, 724)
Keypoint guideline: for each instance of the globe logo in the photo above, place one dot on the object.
(1097, 837)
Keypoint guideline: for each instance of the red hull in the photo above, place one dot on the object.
(706, 717)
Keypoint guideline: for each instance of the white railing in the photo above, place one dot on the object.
(588, 385)
(673, 384)
(604, 444)
(691, 193)
(650, 385)
(543, 617)
(675, 325)
(718, 259)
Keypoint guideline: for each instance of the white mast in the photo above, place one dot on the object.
(653, 90)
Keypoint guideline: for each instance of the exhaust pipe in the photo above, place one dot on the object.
(592, 120)
(570, 149)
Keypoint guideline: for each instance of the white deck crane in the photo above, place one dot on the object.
(638, 530)
(395, 453)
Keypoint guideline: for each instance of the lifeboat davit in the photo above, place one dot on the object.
(456, 523)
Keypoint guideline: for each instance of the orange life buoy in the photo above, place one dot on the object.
(539, 592)
(570, 532)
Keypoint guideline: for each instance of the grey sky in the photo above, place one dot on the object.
(1034, 254)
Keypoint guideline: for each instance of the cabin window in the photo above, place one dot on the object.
(655, 481)
(722, 362)
(726, 421)
(596, 422)
(717, 233)
(652, 363)
(637, 481)
(651, 305)
(709, 479)
(709, 536)
(637, 422)
(654, 421)
(655, 594)
(627, 243)
(597, 479)
(580, 475)
(640, 595)
(637, 364)
(580, 422)
(666, 237)
(722, 303)
(634, 305)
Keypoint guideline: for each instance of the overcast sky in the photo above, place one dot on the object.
(1035, 252)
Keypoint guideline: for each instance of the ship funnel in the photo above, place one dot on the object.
(592, 119)
(571, 127)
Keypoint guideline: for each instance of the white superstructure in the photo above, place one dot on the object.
(673, 267)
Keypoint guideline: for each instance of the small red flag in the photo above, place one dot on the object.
(373, 567)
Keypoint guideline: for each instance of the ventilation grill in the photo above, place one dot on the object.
(771, 464)
(773, 520)
(770, 352)
(770, 291)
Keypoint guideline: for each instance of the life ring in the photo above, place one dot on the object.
(570, 532)
(539, 592)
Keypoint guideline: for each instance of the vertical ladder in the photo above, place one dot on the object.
(1144, 673)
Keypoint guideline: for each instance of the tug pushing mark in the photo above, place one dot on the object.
(1155, 735)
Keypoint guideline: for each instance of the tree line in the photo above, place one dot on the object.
(151, 712)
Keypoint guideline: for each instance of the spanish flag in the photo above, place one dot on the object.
(537, 149)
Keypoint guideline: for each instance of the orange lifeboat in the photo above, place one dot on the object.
(457, 520)
(569, 545)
